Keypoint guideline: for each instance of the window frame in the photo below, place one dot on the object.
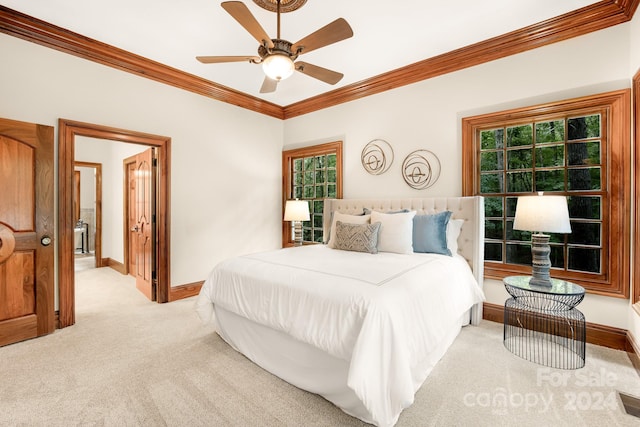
(636, 244)
(615, 106)
(288, 158)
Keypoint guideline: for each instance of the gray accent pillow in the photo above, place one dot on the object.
(357, 237)
(368, 211)
(430, 233)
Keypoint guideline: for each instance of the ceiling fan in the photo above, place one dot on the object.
(277, 55)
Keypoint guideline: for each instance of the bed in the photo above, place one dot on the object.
(361, 329)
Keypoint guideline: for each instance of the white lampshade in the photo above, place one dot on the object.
(277, 66)
(542, 214)
(296, 210)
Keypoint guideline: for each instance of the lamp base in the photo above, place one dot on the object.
(297, 233)
(541, 264)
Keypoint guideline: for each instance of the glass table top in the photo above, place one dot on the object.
(558, 286)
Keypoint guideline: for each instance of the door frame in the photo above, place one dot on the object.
(67, 132)
(97, 242)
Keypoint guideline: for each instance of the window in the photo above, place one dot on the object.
(578, 148)
(311, 173)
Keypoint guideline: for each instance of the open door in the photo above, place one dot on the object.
(144, 227)
(26, 231)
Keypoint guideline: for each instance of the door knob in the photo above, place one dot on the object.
(135, 228)
(46, 240)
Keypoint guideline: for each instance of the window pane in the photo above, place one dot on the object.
(584, 259)
(306, 234)
(549, 156)
(319, 191)
(584, 127)
(297, 178)
(491, 139)
(317, 235)
(585, 233)
(309, 192)
(519, 159)
(493, 207)
(318, 206)
(320, 162)
(517, 235)
(552, 131)
(491, 183)
(519, 182)
(331, 175)
(308, 177)
(493, 251)
(297, 192)
(297, 165)
(550, 180)
(511, 206)
(584, 207)
(584, 153)
(493, 229)
(331, 191)
(557, 256)
(519, 135)
(491, 161)
(331, 160)
(317, 221)
(519, 254)
(308, 163)
(584, 179)
(319, 177)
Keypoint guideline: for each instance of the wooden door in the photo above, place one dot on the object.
(26, 231)
(130, 212)
(144, 228)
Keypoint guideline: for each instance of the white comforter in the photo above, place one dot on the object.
(384, 313)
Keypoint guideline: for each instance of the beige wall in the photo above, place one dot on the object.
(428, 115)
(225, 164)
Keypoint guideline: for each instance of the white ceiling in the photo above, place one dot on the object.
(387, 34)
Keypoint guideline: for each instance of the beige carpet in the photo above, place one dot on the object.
(130, 362)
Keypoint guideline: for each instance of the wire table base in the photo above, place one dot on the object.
(554, 338)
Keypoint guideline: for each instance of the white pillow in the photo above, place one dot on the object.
(453, 231)
(396, 231)
(347, 219)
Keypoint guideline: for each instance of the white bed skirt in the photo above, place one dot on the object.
(307, 367)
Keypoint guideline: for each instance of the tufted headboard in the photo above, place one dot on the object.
(470, 209)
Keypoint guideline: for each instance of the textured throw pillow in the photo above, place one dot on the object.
(357, 237)
(368, 211)
(453, 231)
(396, 231)
(347, 219)
(430, 233)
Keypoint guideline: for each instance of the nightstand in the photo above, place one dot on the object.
(541, 323)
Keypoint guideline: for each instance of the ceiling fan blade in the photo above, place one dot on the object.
(242, 14)
(220, 59)
(327, 76)
(268, 85)
(331, 33)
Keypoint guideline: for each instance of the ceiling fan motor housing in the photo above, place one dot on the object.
(282, 47)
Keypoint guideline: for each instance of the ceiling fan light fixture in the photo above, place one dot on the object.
(278, 66)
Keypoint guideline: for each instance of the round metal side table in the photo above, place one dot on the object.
(541, 323)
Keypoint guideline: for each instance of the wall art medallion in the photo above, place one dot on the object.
(377, 157)
(421, 169)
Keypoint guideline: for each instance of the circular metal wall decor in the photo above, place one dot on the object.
(285, 5)
(377, 157)
(421, 169)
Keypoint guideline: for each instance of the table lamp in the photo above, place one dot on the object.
(297, 211)
(540, 214)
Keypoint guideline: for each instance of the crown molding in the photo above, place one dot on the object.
(582, 21)
(43, 33)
